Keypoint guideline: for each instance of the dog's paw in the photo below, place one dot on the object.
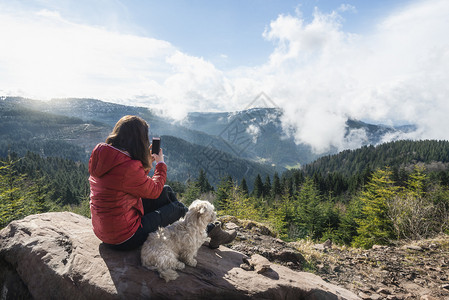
(180, 265)
(191, 262)
(168, 274)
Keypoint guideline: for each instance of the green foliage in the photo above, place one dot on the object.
(347, 229)
(185, 158)
(12, 201)
(393, 154)
(375, 227)
(224, 192)
(33, 184)
(193, 192)
(266, 192)
(20, 195)
(258, 187)
(416, 183)
(279, 215)
(239, 205)
(417, 212)
(83, 208)
(307, 214)
(276, 189)
(203, 183)
(244, 187)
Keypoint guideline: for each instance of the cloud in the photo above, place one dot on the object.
(45, 56)
(254, 131)
(398, 73)
(347, 7)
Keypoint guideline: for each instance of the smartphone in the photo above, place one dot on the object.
(156, 145)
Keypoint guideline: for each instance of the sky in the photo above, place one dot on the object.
(321, 61)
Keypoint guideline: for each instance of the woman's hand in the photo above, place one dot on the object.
(157, 157)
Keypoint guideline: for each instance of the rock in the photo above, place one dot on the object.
(324, 246)
(319, 247)
(383, 291)
(362, 295)
(414, 247)
(247, 267)
(433, 246)
(428, 297)
(57, 256)
(231, 226)
(327, 244)
(258, 228)
(257, 262)
(289, 255)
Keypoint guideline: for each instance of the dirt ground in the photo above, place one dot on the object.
(414, 270)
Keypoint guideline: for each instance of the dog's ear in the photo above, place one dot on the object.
(202, 209)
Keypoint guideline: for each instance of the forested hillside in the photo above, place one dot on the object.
(23, 129)
(33, 184)
(367, 196)
(184, 158)
(396, 155)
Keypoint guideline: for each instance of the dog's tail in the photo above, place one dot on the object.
(168, 274)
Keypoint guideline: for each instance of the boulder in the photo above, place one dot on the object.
(57, 256)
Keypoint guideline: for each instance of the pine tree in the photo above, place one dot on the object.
(267, 187)
(12, 200)
(244, 187)
(308, 213)
(258, 187)
(416, 183)
(203, 183)
(276, 189)
(375, 227)
(192, 192)
(239, 205)
(223, 193)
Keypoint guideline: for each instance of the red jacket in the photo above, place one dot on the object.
(117, 184)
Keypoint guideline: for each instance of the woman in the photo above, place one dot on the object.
(126, 204)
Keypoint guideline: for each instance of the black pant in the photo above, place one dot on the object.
(160, 212)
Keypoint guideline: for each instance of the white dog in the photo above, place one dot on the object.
(171, 247)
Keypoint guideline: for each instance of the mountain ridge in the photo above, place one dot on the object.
(252, 135)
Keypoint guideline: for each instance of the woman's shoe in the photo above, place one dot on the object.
(219, 236)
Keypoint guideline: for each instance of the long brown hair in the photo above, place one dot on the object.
(131, 134)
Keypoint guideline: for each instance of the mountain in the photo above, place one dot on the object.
(259, 134)
(96, 111)
(254, 136)
(28, 125)
(23, 129)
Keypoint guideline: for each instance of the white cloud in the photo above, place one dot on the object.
(347, 7)
(254, 131)
(46, 56)
(398, 73)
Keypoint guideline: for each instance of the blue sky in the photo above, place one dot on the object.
(228, 33)
(322, 61)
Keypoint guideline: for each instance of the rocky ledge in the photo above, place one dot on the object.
(57, 256)
(413, 270)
